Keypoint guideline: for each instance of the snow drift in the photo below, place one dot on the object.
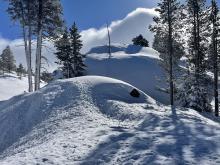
(65, 99)
(133, 64)
(94, 120)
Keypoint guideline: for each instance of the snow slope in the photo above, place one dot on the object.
(93, 120)
(11, 85)
(133, 64)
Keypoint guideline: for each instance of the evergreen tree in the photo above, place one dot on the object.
(46, 77)
(167, 35)
(1, 66)
(63, 54)
(76, 46)
(194, 92)
(20, 70)
(140, 41)
(38, 18)
(24, 12)
(49, 22)
(68, 53)
(214, 45)
(197, 43)
(7, 60)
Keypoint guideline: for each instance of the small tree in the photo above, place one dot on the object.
(76, 46)
(63, 54)
(46, 77)
(20, 70)
(140, 41)
(68, 53)
(193, 93)
(7, 60)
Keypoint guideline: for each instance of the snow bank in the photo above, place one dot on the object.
(110, 97)
(133, 64)
(94, 120)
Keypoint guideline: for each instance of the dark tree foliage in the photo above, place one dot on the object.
(76, 46)
(140, 41)
(7, 60)
(167, 33)
(20, 70)
(68, 53)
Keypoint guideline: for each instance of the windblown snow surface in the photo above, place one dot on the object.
(93, 120)
(133, 64)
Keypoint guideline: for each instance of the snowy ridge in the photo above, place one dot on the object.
(133, 64)
(33, 115)
(94, 120)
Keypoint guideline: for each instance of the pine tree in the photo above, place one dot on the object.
(1, 66)
(63, 55)
(76, 46)
(7, 60)
(215, 26)
(193, 92)
(20, 70)
(140, 41)
(197, 19)
(23, 11)
(38, 19)
(194, 95)
(167, 28)
(49, 23)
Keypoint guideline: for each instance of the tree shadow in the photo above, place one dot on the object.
(106, 150)
(172, 138)
(184, 145)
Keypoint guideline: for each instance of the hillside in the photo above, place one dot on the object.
(94, 120)
(11, 85)
(133, 64)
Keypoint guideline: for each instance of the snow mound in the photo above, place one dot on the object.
(66, 99)
(132, 64)
(94, 120)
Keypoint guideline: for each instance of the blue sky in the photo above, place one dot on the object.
(86, 13)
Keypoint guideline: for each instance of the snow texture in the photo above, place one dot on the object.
(94, 120)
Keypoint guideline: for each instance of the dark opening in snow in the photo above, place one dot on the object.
(135, 93)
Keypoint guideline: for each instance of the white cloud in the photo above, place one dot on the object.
(122, 31)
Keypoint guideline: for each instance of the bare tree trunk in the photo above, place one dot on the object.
(39, 46)
(215, 52)
(170, 43)
(27, 53)
(109, 42)
(30, 53)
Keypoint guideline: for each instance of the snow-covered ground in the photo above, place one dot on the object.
(11, 85)
(133, 64)
(94, 120)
